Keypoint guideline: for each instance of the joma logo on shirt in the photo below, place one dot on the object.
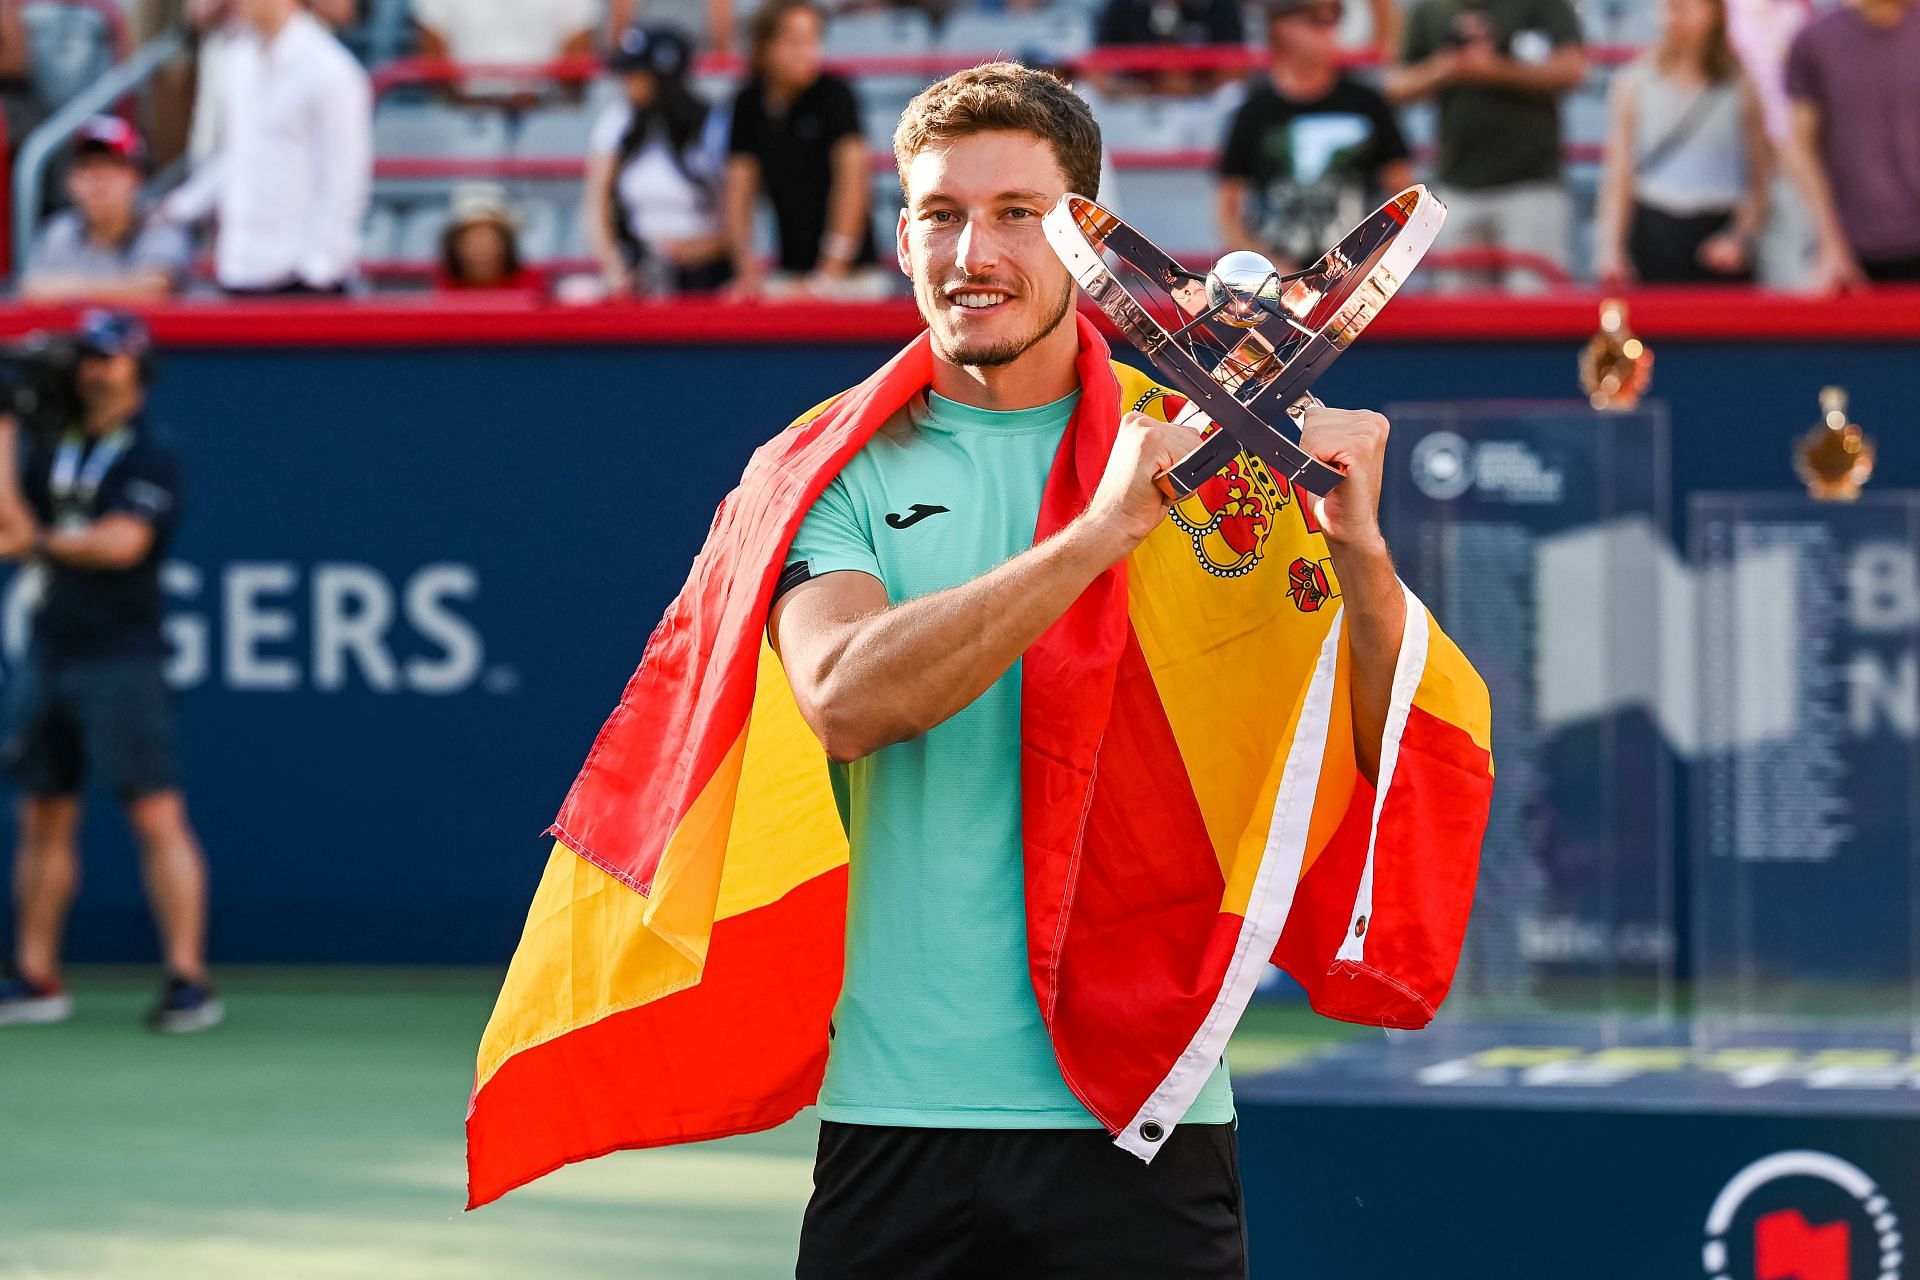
(915, 514)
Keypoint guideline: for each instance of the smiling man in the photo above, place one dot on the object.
(910, 594)
(969, 786)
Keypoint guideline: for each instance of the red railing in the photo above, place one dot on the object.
(574, 168)
(1659, 315)
(1101, 58)
(437, 71)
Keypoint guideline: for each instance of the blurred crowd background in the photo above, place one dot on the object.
(576, 150)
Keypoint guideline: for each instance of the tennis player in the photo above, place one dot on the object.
(950, 1144)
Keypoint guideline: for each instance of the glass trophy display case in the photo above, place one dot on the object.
(1804, 867)
(1539, 536)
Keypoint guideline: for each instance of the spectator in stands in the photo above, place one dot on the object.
(292, 168)
(1853, 76)
(1683, 193)
(709, 22)
(796, 135)
(504, 32)
(480, 247)
(1312, 151)
(1497, 70)
(105, 245)
(216, 25)
(655, 173)
(1167, 23)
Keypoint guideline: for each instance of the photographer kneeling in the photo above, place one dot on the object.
(89, 497)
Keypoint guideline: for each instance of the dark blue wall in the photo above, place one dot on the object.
(561, 492)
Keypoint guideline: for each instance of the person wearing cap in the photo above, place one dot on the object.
(656, 171)
(104, 245)
(1312, 151)
(480, 247)
(92, 509)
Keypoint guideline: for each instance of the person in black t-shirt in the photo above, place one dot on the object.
(93, 511)
(1311, 152)
(796, 135)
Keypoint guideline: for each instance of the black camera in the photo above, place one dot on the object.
(37, 383)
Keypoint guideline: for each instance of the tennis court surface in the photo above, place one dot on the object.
(318, 1134)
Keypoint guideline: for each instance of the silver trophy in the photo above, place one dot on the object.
(1244, 342)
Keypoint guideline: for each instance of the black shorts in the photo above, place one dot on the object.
(111, 715)
(1005, 1204)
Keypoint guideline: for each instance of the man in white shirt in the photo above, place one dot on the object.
(292, 167)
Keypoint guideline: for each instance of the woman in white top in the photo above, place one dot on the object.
(1683, 191)
(655, 173)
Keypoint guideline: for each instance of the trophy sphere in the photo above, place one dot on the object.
(1246, 288)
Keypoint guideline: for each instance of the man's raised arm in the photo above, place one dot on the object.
(867, 675)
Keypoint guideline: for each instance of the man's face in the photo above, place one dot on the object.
(103, 188)
(987, 283)
(102, 376)
(1306, 33)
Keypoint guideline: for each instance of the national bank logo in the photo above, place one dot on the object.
(1512, 472)
(1802, 1215)
(1443, 466)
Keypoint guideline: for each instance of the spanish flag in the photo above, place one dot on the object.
(1191, 805)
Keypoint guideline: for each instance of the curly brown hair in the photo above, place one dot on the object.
(1005, 96)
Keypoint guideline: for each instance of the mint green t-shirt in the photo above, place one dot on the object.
(937, 1025)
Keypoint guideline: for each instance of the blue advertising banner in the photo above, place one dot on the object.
(412, 582)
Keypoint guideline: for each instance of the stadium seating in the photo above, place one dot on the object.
(1163, 148)
(1039, 35)
(894, 31)
(434, 129)
(554, 131)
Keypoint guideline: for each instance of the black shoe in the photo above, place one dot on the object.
(24, 1002)
(185, 1006)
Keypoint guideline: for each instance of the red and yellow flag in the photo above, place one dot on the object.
(1191, 805)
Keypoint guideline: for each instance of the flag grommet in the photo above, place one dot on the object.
(1151, 1131)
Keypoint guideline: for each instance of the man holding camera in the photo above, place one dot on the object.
(91, 507)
